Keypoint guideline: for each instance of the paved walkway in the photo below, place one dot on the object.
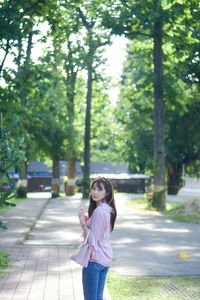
(40, 237)
(143, 244)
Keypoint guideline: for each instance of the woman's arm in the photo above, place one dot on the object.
(81, 217)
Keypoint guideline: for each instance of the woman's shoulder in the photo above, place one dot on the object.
(104, 207)
(98, 213)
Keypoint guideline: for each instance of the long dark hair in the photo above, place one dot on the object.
(110, 200)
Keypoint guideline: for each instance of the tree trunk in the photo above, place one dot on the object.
(91, 52)
(159, 149)
(22, 185)
(86, 170)
(173, 178)
(29, 47)
(26, 67)
(70, 189)
(70, 92)
(56, 177)
(92, 45)
(19, 56)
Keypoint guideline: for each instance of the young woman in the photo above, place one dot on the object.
(101, 219)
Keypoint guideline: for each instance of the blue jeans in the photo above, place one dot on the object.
(93, 279)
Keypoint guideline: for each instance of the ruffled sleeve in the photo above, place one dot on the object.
(82, 238)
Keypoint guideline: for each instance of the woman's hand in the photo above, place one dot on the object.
(81, 216)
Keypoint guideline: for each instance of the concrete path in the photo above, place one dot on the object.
(21, 219)
(143, 245)
(58, 224)
(146, 244)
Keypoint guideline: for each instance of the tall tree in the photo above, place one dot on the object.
(94, 40)
(50, 127)
(134, 19)
(66, 28)
(18, 21)
(27, 90)
(71, 68)
(135, 105)
(138, 19)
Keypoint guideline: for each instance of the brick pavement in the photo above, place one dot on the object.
(42, 271)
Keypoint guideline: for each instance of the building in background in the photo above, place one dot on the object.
(122, 179)
(40, 176)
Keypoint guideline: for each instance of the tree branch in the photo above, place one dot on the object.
(103, 44)
(6, 53)
(30, 8)
(134, 33)
(85, 22)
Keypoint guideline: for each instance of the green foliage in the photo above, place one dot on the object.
(3, 226)
(135, 106)
(39, 92)
(15, 201)
(103, 124)
(11, 154)
(6, 197)
(193, 169)
(164, 23)
(182, 140)
(4, 260)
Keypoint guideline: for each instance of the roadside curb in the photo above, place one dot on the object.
(30, 228)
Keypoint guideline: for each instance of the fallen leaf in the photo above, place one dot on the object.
(183, 255)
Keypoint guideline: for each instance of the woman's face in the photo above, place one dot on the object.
(98, 193)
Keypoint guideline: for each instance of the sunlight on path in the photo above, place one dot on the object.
(39, 195)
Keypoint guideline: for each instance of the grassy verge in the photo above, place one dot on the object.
(142, 204)
(139, 204)
(128, 288)
(174, 210)
(4, 260)
(15, 200)
(29, 195)
(178, 214)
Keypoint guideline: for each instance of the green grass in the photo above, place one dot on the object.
(174, 210)
(14, 200)
(142, 204)
(139, 204)
(143, 288)
(4, 260)
(29, 195)
(177, 214)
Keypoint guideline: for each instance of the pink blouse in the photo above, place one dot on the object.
(99, 224)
